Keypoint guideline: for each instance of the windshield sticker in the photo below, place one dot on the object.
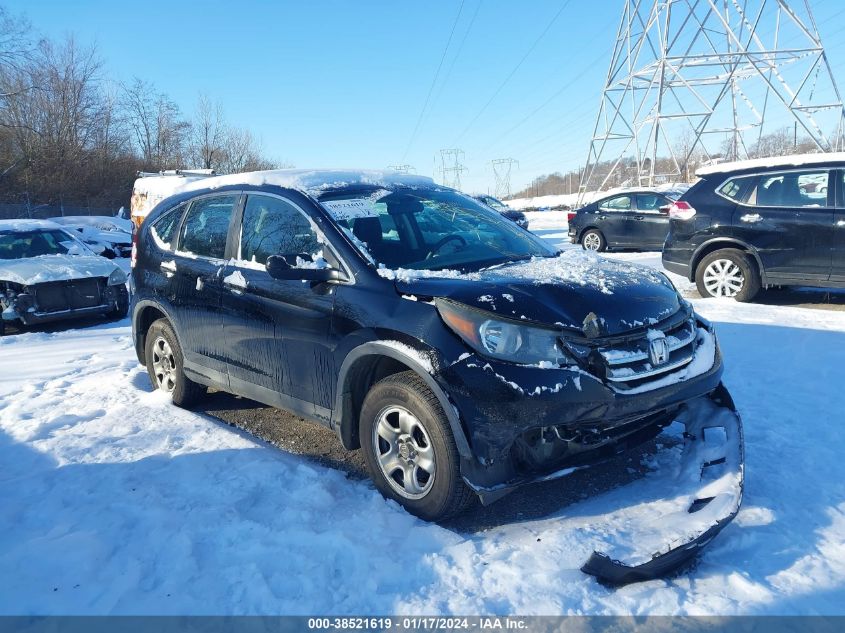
(349, 209)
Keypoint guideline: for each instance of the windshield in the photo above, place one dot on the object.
(430, 229)
(22, 244)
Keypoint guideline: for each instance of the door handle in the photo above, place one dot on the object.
(751, 217)
(840, 223)
(639, 217)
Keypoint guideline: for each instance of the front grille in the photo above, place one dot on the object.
(627, 361)
(631, 363)
(57, 296)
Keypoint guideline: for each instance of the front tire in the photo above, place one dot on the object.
(165, 365)
(728, 273)
(409, 448)
(593, 240)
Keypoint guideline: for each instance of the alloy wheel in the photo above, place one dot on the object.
(723, 278)
(164, 365)
(404, 452)
(592, 242)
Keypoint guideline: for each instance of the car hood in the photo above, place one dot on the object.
(576, 290)
(44, 268)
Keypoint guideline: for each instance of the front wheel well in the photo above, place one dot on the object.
(359, 379)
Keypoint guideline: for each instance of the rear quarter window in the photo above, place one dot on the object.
(736, 189)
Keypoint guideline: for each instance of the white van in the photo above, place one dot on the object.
(152, 187)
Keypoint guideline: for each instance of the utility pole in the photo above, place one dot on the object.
(451, 167)
(403, 169)
(502, 174)
(714, 71)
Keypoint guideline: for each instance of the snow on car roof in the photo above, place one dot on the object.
(311, 181)
(794, 160)
(27, 225)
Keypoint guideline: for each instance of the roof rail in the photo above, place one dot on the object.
(177, 172)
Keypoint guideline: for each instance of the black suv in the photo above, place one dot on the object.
(460, 352)
(627, 220)
(759, 223)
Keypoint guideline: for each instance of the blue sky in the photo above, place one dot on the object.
(332, 83)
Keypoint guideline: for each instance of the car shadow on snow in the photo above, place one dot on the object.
(321, 445)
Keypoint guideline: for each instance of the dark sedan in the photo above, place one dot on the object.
(518, 217)
(636, 220)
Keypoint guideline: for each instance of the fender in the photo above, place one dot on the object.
(136, 310)
(727, 241)
(341, 423)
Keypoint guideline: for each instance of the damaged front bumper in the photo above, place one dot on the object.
(703, 495)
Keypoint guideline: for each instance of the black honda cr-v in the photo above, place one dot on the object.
(461, 353)
(758, 223)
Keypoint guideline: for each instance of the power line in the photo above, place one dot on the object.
(457, 54)
(514, 70)
(433, 81)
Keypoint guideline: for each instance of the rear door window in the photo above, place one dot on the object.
(650, 202)
(619, 203)
(206, 226)
(272, 226)
(792, 189)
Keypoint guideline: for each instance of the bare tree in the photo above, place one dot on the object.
(208, 133)
(242, 152)
(158, 129)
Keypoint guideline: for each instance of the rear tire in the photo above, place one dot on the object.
(409, 448)
(728, 273)
(165, 365)
(593, 240)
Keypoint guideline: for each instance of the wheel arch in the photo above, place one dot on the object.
(719, 243)
(365, 365)
(144, 314)
(591, 227)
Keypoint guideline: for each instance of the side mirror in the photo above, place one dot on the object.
(278, 268)
(664, 210)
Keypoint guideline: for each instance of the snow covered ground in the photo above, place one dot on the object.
(112, 501)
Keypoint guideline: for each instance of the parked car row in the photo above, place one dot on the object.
(743, 226)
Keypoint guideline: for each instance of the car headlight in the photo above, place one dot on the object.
(503, 339)
(117, 277)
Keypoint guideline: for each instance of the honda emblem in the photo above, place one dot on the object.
(658, 350)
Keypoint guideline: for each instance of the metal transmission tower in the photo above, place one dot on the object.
(451, 167)
(502, 172)
(700, 79)
(404, 169)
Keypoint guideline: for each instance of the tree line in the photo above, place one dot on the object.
(71, 135)
(625, 173)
